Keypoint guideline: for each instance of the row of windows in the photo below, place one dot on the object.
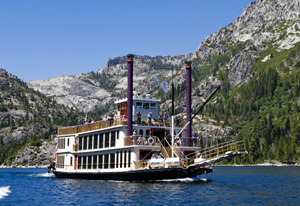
(145, 105)
(95, 141)
(141, 132)
(120, 159)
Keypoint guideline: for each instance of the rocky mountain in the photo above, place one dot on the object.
(26, 114)
(35, 156)
(256, 60)
(264, 27)
(87, 92)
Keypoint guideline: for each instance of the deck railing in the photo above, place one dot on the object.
(91, 126)
(104, 124)
(141, 140)
(218, 150)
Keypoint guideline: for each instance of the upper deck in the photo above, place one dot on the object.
(107, 124)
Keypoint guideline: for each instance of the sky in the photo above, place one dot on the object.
(42, 39)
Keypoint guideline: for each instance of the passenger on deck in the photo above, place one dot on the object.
(194, 137)
(134, 133)
(140, 140)
(124, 118)
(177, 121)
(139, 119)
(115, 118)
(149, 116)
(110, 119)
(166, 118)
(105, 118)
(160, 119)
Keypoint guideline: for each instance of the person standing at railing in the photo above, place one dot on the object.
(139, 117)
(149, 116)
(194, 138)
(160, 119)
(165, 118)
(115, 118)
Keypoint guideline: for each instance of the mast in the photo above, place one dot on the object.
(172, 119)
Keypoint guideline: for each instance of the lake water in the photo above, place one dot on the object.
(226, 186)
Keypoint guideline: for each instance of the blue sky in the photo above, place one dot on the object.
(42, 39)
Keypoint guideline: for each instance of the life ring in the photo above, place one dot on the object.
(150, 140)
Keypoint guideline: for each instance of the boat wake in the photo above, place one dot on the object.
(185, 180)
(46, 174)
(4, 191)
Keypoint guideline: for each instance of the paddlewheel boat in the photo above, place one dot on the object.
(134, 148)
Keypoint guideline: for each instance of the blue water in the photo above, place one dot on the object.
(226, 186)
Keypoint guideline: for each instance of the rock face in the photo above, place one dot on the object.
(93, 90)
(23, 111)
(35, 156)
(263, 25)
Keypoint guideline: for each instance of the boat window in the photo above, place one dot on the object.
(147, 132)
(107, 139)
(112, 160)
(124, 105)
(90, 141)
(79, 163)
(121, 159)
(119, 107)
(84, 162)
(153, 106)
(95, 141)
(129, 157)
(100, 161)
(85, 143)
(106, 161)
(61, 143)
(95, 162)
(101, 141)
(68, 142)
(118, 133)
(117, 162)
(139, 104)
(125, 158)
(146, 106)
(80, 143)
(60, 161)
(71, 161)
(113, 139)
(141, 132)
(89, 162)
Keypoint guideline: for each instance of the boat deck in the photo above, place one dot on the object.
(104, 124)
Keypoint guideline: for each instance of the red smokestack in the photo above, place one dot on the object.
(129, 92)
(188, 100)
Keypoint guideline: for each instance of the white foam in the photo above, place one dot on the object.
(42, 175)
(184, 180)
(47, 174)
(4, 191)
